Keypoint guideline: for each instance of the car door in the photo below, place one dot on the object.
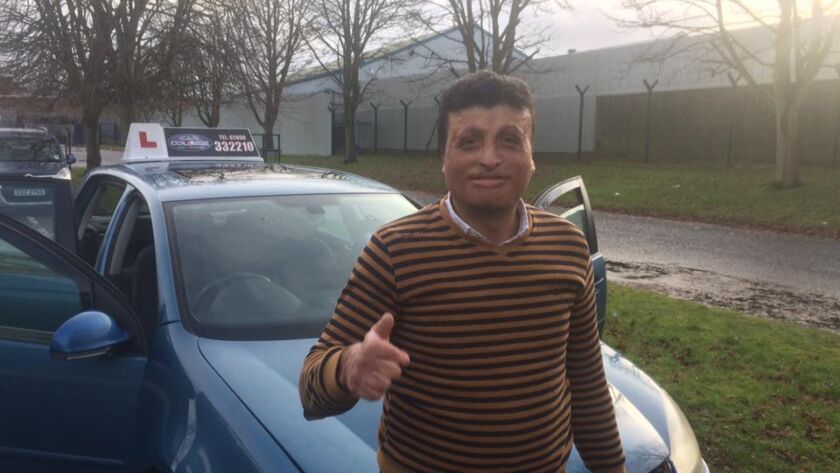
(570, 200)
(61, 415)
(43, 203)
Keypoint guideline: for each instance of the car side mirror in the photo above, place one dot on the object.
(71, 158)
(88, 334)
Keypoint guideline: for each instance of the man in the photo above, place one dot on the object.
(475, 316)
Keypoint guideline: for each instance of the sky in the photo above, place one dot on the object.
(590, 26)
(586, 27)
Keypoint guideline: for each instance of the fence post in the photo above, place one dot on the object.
(375, 127)
(734, 82)
(434, 127)
(331, 108)
(834, 157)
(581, 92)
(405, 125)
(649, 88)
(68, 144)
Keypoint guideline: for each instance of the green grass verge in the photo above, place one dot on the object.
(76, 175)
(761, 395)
(740, 195)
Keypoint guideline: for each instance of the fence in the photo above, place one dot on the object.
(703, 126)
(272, 153)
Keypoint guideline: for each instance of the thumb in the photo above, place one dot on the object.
(383, 327)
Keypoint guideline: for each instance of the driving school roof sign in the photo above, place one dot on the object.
(152, 142)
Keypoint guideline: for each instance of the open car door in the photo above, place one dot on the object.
(72, 358)
(44, 204)
(569, 200)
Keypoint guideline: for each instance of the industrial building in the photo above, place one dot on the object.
(693, 110)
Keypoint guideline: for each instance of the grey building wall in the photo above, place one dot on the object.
(613, 72)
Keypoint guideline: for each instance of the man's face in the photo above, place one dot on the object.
(487, 162)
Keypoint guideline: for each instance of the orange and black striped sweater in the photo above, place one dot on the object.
(506, 367)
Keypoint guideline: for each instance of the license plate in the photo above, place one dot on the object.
(30, 192)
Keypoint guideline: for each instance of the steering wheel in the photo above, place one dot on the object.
(205, 297)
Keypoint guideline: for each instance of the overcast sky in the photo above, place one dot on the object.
(589, 26)
(585, 27)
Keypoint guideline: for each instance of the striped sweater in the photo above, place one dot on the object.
(506, 367)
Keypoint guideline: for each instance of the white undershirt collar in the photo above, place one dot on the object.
(472, 232)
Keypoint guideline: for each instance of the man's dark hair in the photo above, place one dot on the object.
(483, 89)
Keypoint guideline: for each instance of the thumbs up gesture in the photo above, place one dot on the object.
(370, 366)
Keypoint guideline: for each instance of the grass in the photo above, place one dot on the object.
(740, 195)
(761, 395)
(76, 175)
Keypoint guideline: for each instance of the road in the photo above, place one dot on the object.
(782, 276)
(108, 156)
(802, 263)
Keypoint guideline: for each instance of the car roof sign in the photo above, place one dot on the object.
(152, 142)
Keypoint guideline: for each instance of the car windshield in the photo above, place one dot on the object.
(30, 148)
(272, 267)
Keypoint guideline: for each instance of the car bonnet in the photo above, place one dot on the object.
(264, 375)
(56, 169)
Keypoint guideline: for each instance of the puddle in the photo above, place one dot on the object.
(714, 289)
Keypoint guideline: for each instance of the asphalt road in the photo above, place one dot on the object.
(801, 263)
(108, 156)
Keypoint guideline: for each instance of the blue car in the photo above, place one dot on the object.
(172, 340)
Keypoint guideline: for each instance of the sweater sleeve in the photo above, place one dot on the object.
(369, 293)
(593, 418)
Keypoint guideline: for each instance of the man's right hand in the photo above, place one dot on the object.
(370, 366)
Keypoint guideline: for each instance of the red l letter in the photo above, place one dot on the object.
(144, 141)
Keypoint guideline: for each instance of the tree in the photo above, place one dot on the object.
(264, 38)
(342, 31)
(490, 31)
(61, 48)
(209, 82)
(708, 26)
(147, 39)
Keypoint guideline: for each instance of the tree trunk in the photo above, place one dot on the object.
(127, 115)
(215, 114)
(350, 155)
(785, 101)
(268, 134)
(179, 115)
(787, 145)
(91, 125)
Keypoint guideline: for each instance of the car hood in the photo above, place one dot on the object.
(55, 169)
(264, 375)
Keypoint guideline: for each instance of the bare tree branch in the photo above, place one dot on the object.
(342, 32)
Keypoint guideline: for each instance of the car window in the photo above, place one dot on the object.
(104, 206)
(572, 209)
(272, 267)
(569, 200)
(96, 218)
(30, 148)
(36, 298)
